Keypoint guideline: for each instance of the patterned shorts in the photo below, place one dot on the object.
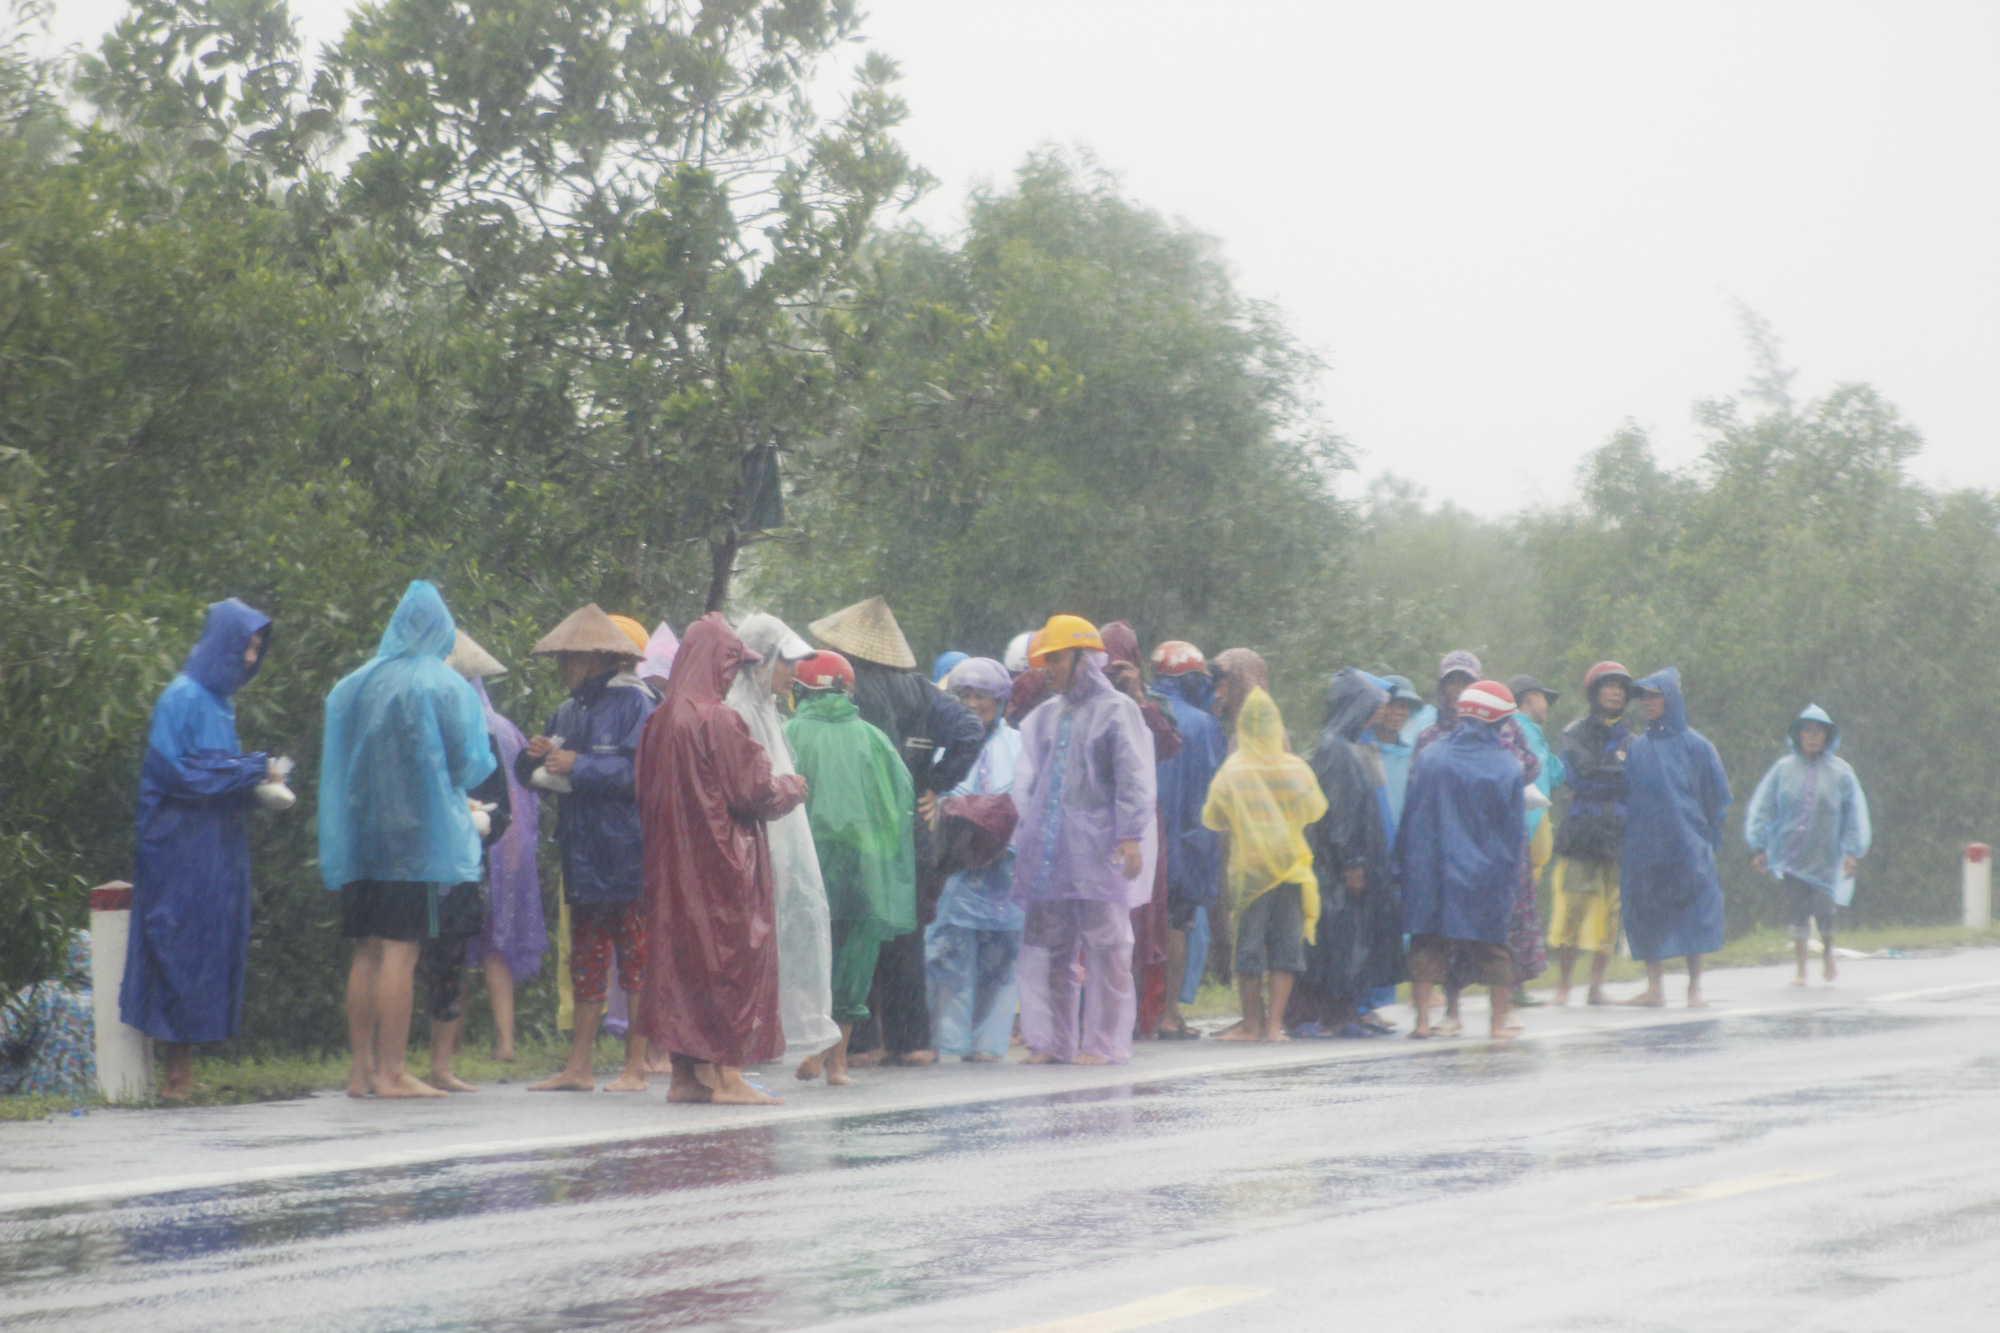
(595, 931)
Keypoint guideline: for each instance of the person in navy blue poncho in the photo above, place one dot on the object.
(1458, 855)
(191, 877)
(1193, 852)
(1678, 793)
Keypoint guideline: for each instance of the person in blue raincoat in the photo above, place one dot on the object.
(1808, 822)
(1676, 796)
(190, 935)
(1193, 852)
(405, 743)
(1458, 856)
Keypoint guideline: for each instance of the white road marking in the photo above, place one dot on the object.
(1177, 1304)
(1964, 988)
(1716, 1189)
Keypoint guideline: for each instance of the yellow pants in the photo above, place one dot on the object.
(1584, 914)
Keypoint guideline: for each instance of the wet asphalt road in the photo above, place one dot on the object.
(1827, 1159)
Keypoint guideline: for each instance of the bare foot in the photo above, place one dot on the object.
(1237, 1033)
(731, 1090)
(1799, 980)
(836, 1076)
(504, 1054)
(1596, 997)
(360, 1083)
(917, 1058)
(450, 1082)
(1237, 1026)
(1562, 997)
(1276, 1034)
(1695, 1001)
(1831, 971)
(1647, 1000)
(1508, 1033)
(630, 1081)
(982, 1058)
(1040, 1059)
(810, 1068)
(566, 1081)
(1086, 1058)
(405, 1084)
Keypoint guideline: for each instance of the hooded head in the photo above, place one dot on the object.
(216, 661)
(769, 639)
(1260, 729)
(1351, 701)
(981, 673)
(942, 665)
(1121, 643)
(1666, 683)
(1814, 713)
(708, 661)
(421, 626)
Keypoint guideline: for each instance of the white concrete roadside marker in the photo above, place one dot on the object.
(1716, 1189)
(1176, 1304)
(124, 1054)
(1978, 886)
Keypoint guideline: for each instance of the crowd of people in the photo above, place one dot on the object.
(773, 849)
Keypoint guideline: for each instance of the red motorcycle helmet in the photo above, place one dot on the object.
(1602, 672)
(825, 670)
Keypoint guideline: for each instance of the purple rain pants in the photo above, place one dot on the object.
(1062, 1015)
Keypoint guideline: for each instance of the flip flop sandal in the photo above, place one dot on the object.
(1183, 1033)
(1357, 1032)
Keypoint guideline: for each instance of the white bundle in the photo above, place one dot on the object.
(1536, 798)
(482, 816)
(548, 781)
(272, 793)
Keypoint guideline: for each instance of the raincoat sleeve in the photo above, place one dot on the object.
(526, 764)
(1762, 815)
(958, 737)
(1136, 775)
(190, 770)
(1857, 833)
(468, 746)
(610, 775)
(1714, 790)
(750, 789)
(1160, 726)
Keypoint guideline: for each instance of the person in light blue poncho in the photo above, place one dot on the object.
(1808, 822)
(405, 743)
(1671, 896)
(190, 936)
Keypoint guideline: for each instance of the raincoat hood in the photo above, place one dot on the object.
(1245, 665)
(981, 673)
(708, 660)
(1121, 643)
(1814, 713)
(1265, 799)
(766, 638)
(1351, 700)
(1090, 680)
(1675, 720)
(421, 627)
(941, 667)
(216, 660)
(1196, 688)
(1260, 729)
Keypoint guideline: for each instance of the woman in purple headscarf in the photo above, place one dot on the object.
(511, 946)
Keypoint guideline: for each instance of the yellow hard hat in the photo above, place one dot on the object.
(632, 630)
(1063, 632)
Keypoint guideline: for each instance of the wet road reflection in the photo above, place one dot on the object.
(783, 1226)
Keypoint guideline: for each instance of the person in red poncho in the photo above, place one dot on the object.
(705, 790)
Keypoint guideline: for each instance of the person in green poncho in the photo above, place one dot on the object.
(859, 806)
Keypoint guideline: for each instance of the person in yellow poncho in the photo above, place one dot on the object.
(1264, 799)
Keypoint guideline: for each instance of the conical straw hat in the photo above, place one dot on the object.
(471, 661)
(869, 631)
(587, 630)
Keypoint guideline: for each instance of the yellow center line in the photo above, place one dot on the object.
(1717, 1189)
(1177, 1304)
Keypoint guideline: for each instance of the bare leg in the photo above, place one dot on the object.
(731, 1090)
(1451, 1003)
(1655, 993)
(1274, 1017)
(1694, 983)
(577, 1075)
(1565, 970)
(394, 992)
(836, 1059)
(1799, 953)
(1420, 999)
(633, 1077)
(1599, 964)
(1503, 1008)
(1250, 987)
(1828, 969)
(1176, 968)
(180, 1071)
(363, 980)
(444, 1043)
(687, 1085)
(500, 993)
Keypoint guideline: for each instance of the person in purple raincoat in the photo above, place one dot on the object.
(1083, 853)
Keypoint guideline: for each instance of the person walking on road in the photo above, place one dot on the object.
(1458, 856)
(706, 790)
(1584, 915)
(1086, 789)
(585, 754)
(1672, 897)
(190, 934)
(1808, 822)
(1264, 799)
(859, 806)
(405, 744)
(939, 742)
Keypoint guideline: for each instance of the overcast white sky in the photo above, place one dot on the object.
(1508, 227)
